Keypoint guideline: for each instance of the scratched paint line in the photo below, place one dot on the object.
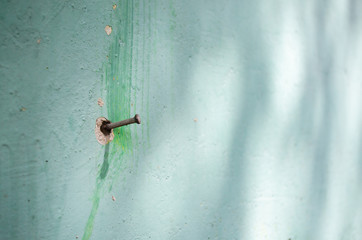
(56, 11)
(172, 29)
(154, 11)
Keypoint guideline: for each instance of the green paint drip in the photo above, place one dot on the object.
(89, 227)
(118, 83)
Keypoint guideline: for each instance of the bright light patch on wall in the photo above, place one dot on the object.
(288, 72)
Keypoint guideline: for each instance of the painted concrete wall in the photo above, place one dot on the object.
(251, 117)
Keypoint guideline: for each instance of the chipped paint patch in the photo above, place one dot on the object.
(100, 102)
(101, 137)
(108, 30)
(22, 109)
(114, 6)
(113, 198)
(38, 41)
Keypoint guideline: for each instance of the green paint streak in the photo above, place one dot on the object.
(117, 79)
(96, 198)
(136, 43)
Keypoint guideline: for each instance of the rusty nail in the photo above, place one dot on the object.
(108, 126)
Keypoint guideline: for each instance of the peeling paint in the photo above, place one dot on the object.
(100, 102)
(101, 138)
(108, 30)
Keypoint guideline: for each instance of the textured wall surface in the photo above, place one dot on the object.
(251, 119)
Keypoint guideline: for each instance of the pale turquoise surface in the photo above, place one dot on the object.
(251, 119)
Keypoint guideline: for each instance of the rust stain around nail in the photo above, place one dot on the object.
(101, 137)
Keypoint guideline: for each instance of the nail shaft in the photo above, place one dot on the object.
(135, 119)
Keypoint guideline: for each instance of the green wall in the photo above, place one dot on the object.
(251, 119)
